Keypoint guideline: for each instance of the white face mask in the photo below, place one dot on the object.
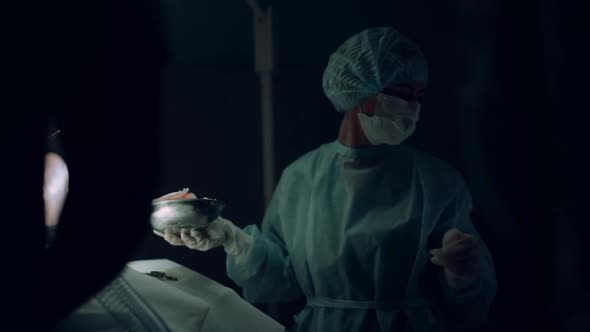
(394, 120)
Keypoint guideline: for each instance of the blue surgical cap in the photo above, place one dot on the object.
(369, 61)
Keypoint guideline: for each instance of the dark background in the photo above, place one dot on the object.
(505, 105)
(493, 110)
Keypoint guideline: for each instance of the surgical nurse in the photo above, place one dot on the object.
(375, 235)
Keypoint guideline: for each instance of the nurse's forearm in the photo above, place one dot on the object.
(266, 275)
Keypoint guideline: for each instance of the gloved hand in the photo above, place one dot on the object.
(220, 232)
(459, 256)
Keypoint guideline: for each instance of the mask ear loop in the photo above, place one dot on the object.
(360, 107)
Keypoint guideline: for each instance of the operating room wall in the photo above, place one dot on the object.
(211, 133)
(210, 137)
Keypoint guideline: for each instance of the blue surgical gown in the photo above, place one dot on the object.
(351, 230)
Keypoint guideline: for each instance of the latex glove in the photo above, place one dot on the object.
(220, 232)
(460, 258)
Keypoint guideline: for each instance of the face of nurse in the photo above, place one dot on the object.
(412, 92)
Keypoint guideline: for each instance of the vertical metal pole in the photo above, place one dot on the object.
(268, 135)
(264, 62)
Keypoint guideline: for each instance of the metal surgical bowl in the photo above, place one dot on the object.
(184, 213)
